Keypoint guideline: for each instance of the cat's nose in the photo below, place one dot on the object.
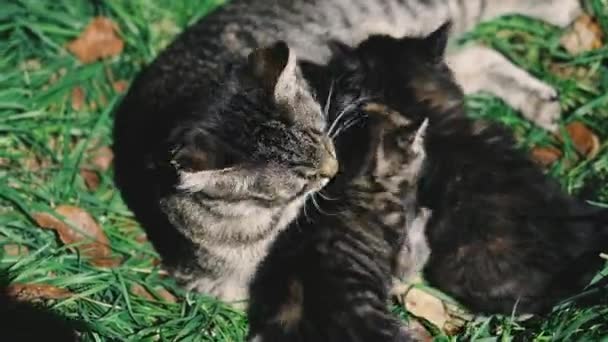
(329, 164)
(328, 167)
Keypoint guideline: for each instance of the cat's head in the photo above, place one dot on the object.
(263, 136)
(397, 154)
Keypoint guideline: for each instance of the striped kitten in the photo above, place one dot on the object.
(217, 144)
(328, 278)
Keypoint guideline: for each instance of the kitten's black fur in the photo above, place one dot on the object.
(503, 234)
(328, 277)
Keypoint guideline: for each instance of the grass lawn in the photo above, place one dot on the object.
(55, 120)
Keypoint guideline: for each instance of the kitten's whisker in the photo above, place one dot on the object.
(345, 111)
(348, 125)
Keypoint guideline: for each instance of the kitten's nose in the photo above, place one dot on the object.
(329, 164)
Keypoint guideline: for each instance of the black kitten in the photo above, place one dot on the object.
(503, 234)
(328, 279)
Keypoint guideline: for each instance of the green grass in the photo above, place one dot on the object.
(44, 142)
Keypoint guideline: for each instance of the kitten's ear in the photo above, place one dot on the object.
(339, 49)
(437, 41)
(275, 67)
(417, 146)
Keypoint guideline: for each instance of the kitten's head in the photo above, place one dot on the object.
(263, 135)
(409, 74)
(397, 153)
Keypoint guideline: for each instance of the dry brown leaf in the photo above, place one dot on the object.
(426, 306)
(584, 35)
(98, 40)
(91, 179)
(15, 250)
(584, 140)
(418, 331)
(545, 156)
(166, 295)
(141, 291)
(102, 158)
(141, 238)
(120, 86)
(78, 98)
(92, 241)
(29, 292)
(32, 163)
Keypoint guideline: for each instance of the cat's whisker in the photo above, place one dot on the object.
(304, 209)
(326, 197)
(328, 101)
(316, 204)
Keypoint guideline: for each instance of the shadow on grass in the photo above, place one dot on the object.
(25, 322)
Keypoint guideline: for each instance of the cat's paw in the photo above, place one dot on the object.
(562, 12)
(537, 101)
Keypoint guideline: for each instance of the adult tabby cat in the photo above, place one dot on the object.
(217, 144)
(503, 235)
(328, 277)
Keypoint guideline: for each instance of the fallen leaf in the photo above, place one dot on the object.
(120, 86)
(584, 35)
(78, 98)
(582, 74)
(141, 291)
(30, 292)
(98, 40)
(165, 295)
(91, 178)
(424, 305)
(418, 331)
(545, 156)
(15, 250)
(584, 140)
(102, 158)
(142, 238)
(92, 241)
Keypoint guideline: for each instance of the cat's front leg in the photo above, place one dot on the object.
(478, 68)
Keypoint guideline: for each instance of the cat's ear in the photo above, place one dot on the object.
(437, 41)
(275, 67)
(191, 159)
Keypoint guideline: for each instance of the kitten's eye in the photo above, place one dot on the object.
(403, 139)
